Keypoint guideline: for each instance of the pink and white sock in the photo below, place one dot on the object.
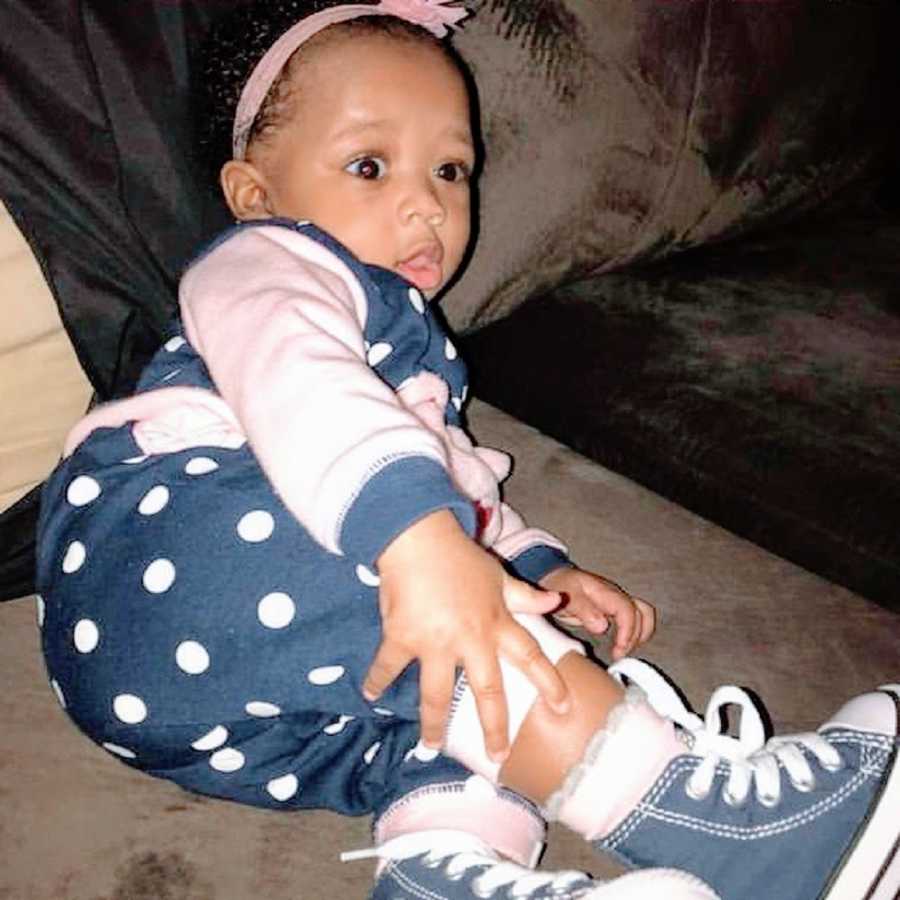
(502, 820)
(620, 764)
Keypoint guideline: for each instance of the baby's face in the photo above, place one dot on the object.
(379, 154)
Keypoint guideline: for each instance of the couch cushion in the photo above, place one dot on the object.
(758, 384)
(44, 389)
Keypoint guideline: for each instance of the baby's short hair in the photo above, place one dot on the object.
(239, 41)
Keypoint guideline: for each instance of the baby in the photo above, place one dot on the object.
(282, 574)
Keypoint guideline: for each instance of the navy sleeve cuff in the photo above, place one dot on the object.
(536, 562)
(398, 496)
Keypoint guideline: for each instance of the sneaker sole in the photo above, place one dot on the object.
(654, 884)
(871, 869)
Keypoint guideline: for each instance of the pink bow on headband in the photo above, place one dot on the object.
(434, 15)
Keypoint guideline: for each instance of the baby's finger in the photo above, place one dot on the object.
(523, 598)
(628, 630)
(435, 695)
(389, 662)
(521, 650)
(648, 619)
(486, 682)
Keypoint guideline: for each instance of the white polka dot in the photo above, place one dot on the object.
(369, 755)
(227, 760)
(83, 490)
(276, 610)
(283, 788)
(325, 675)
(457, 402)
(134, 460)
(379, 352)
(422, 753)
(175, 343)
(367, 576)
(212, 739)
(124, 752)
(74, 558)
(450, 350)
(154, 501)
(262, 710)
(417, 300)
(338, 727)
(40, 609)
(60, 696)
(159, 576)
(192, 657)
(381, 711)
(129, 709)
(86, 636)
(256, 526)
(201, 465)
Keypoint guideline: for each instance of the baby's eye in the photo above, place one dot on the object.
(370, 168)
(452, 171)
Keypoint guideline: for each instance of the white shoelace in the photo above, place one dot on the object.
(458, 852)
(749, 757)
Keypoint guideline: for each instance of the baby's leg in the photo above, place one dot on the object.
(810, 816)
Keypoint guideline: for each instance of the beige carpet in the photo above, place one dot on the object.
(77, 825)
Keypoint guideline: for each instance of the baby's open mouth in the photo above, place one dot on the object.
(423, 267)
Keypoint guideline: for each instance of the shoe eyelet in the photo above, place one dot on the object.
(432, 862)
(770, 801)
(455, 876)
(732, 801)
(479, 891)
(833, 767)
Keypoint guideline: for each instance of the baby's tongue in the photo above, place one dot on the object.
(422, 271)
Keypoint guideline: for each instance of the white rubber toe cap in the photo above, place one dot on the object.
(877, 712)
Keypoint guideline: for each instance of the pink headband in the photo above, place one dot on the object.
(433, 15)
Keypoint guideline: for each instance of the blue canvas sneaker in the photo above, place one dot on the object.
(803, 817)
(453, 865)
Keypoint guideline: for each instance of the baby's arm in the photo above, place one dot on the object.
(279, 321)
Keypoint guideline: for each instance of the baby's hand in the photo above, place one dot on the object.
(594, 602)
(446, 602)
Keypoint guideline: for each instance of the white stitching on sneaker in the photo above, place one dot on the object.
(647, 809)
(742, 761)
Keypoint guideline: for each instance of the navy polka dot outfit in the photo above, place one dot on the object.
(193, 628)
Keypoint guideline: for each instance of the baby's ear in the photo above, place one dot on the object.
(244, 188)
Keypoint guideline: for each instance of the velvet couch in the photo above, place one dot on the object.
(618, 134)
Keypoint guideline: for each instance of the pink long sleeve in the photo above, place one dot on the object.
(279, 321)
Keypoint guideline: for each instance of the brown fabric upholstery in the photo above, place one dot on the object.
(625, 130)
